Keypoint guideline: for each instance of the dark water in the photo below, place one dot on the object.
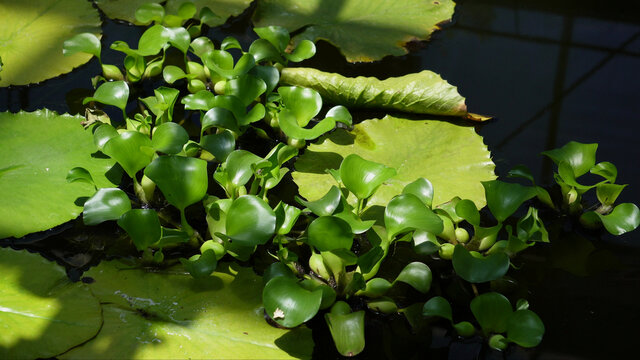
(550, 72)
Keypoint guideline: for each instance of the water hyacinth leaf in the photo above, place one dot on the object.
(464, 328)
(608, 193)
(340, 114)
(384, 305)
(289, 304)
(362, 177)
(220, 118)
(531, 228)
(429, 153)
(421, 188)
(169, 138)
(525, 328)
(418, 275)
(467, 210)
(492, 311)
(479, 269)
(182, 309)
(85, 42)
(425, 243)
(219, 145)
(131, 149)
(301, 102)
(246, 88)
(80, 174)
(182, 180)
(201, 46)
(239, 166)
(421, 93)
(172, 237)
(250, 221)
(275, 270)
(269, 74)
(324, 206)
(376, 287)
(178, 37)
(503, 199)
(328, 294)
(221, 62)
(275, 35)
(149, 12)
(202, 100)
(286, 217)
(624, 218)
(438, 306)
(605, 169)
(32, 33)
(407, 212)
(263, 50)
(106, 204)
(43, 315)
(172, 74)
(142, 225)
(498, 342)
(368, 260)
(580, 157)
(153, 40)
(303, 51)
(361, 32)
(347, 329)
(201, 265)
(289, 125)
(328, 233)
(230, 43)
(114, 93)
(358, 226)
(187, 10)
(222, 9)
(521, 171)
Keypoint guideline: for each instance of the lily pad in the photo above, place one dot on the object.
(29, 34)
(166, 315)
(42, 316)
(37, 150)
(453, 158)
(363, 31)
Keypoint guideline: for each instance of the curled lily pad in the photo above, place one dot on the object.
(106, 204)
(362, 32)
(477, 269)
(453, 158)
(288, 303)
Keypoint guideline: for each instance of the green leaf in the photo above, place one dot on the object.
(608, 193)
(201, 46)
(503, 199)
(384, 305)
(221, 62)
(43, 315)
(286, 217)
(85, 42)
(102, 134)
(219, 117)
(223, 9)
(275, 35)
(106, 204)
(269, 74)
(301, 102)
(479, 269)
(149, 12)
(250, 221)
(531, 228)
(421, 188)
(580, 157)
(328, 233)
(289, 125)
(169, 138)
(346, 213)
(182, 180)
(347, 329)
(29, 34)
(492, 311)
(418, 275)
(467, 210)
(172, 237)
(171, 74)
(303, 51)
(78, 174)
(605, 169)
(362, 32)
(425, 243)
(325, 205)
(376, 287)
(131, 149)
(239, 166)
(289, 304)
(201, 265)
(142, 225)
(150, 314)
(464, 328)
(624, 218)
(34, 165)
(438, 306)
(498, 342)
(230, 43)
(246, 88)
(525, 328)
(453, 158)
(202, 100)
(407, 212)
(263, 50)
(521, 171)
(363, 177)
(115, 93)
(219, 145)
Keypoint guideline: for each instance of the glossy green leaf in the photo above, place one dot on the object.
(78, 174)
(115, 93)
(269, 74)
(29, 34)
(421, 188)
(202, 100)
(580, 157)
(275, 35)
(521, 171)
(230, 43)
(169, 138)
(142, 225)
(34, 165)
(328, 233)
(149, 12)
(325, 205)
(453, 158)
(262, 50)
(503, 199)
(328, 293)
(531, 228)
(301, 102)
(605, 169)
(467, 210)
(464, 328)
(288, 303)
(384, 305)
(223, 9)
(608, 193)
(479, 269)
(624, 218)
(219, 145)
(85, 42)
(239, 166)
(303, 51)
(525, 328)
(376, 287)
(201, 265)
(172, 237)
(286, 217)
(438, 306)
(363, 177)
(246, 88)
(221, 62)
(347, 329)
(178, 37)
(169, 314)
(407, 212)
(425, 243)
(492, 311)
(182, 180)
(171, 74)
(250, 221)
(362, 32)
(106, 204)
(201, 46)
(131, 149)
(498, 342)
(289, 125)
(418, 275)
(45, 315)
(220, 118)
(368, 260)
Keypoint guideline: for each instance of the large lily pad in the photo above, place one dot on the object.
(421, 93)
(363, 30)
(42, 313)
(37, 150)
(169, 314)
(32, 34)
(453, 158)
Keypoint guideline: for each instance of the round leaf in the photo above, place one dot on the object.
(219, 145)
(525, 328)
(479, 269)
(250, 221)
(503, 199)
(438, 306)
(142, 225)
(106, 204)
(376, 287)
(219, 117)
(363, 177)
(289, 304)
(85, 42)
(169, 138)
(328, 233)
(492, 310)
(182, 180)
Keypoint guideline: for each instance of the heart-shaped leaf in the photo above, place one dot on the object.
(467, 210)
(246, 88)
(239, 166)
(580, 157)
(106, 204)
(407, 212)
(115, 93)
(624, 218)
(525, 328)
(263, 50)
(142, 225)
(479, 269)
(169, 138)
(182, 180)
(288, 303)
(492, 311)
(363, 177)
(503, 199)
(219, 117)
(328, 233)
(250, 221)
(219, 145)
(131, 149)
(438, 306)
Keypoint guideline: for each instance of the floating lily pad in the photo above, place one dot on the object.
(453, 158)
(362, 30)
(167, 315)
(37, 150)
(30, 34)
(42, 313)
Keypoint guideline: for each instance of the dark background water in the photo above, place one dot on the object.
(550, 72)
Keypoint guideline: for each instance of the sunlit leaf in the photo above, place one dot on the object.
(142, 225)
(608, 193)
(467, 210)
(106, 204)
(301, 102)
(131, 149)
(421, 188)
(581, 157)
(219, 145)
(347, 329)
(479, 269)
(503, 199)
(605, 169)
(246, 88)
(169, 138)
(239, 166)
(328, 233)
(250, 221)
(182, 180)
(149, 12)
(407, 212)
(86, 42)
(80, 174)
(286, 217)
(288, 303)
(624, 218)
(325, 205)
(115, 93)
(222, 9)
(418, 275)
(303, 51)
